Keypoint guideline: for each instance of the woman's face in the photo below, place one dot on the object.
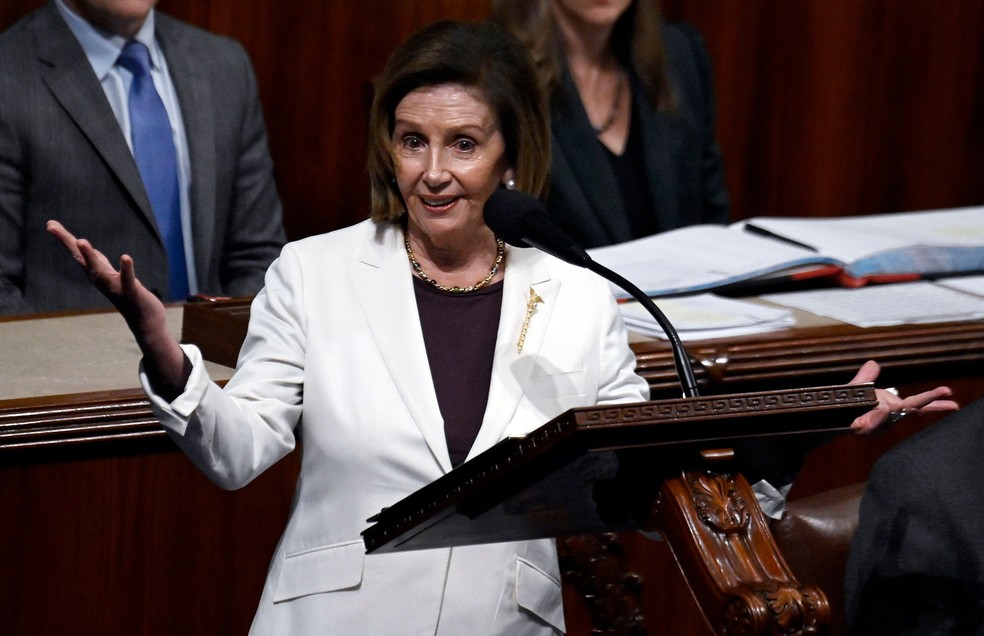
(591, 12)
(449, 156)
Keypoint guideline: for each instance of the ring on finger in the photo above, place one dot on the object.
(895, 416)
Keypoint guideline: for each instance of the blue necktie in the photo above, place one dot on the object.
(157, 161)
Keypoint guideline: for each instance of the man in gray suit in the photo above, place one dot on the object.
(66, 154)
(916, 564)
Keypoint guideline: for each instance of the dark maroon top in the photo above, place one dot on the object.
(459, 334)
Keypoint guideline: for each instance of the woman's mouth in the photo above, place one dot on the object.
(438, 203)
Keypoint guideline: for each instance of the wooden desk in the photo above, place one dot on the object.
(635, 583)
(108, 529)
(72, 379)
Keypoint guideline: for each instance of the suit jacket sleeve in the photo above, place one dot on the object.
(233, 445)
(892, 587)
(916, 564)
(618, 381)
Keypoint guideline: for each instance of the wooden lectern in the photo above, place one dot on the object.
(670, 466)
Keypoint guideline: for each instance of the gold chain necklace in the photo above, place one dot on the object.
(500, 253)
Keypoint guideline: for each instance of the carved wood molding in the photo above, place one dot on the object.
(68, 420)
(820, 355)
(806, 399)
(739, 578)
(595, 565)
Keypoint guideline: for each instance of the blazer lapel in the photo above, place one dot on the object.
(69, 77)
(195, 99)
(524, 273)
(587, 162)
(384, 286)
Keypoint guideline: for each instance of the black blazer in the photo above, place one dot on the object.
(683, 163)
(64, 156)
(916, 564)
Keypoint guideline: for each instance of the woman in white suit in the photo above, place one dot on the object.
(396, 349)
(392, 348)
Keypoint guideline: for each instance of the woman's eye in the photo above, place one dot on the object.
(464, 145)
(411, 142)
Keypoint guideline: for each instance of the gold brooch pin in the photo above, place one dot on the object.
(531, 304)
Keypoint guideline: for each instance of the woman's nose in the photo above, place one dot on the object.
(437, 172)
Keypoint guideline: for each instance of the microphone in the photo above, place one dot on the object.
(521, 220)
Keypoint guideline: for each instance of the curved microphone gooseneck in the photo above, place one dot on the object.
(521, 220)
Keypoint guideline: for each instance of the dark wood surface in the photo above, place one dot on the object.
(129, 538)
(552, 481)
(674, 467)
(913, 358)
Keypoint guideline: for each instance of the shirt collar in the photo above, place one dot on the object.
(102, 48)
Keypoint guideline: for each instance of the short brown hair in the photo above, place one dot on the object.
(478, 55)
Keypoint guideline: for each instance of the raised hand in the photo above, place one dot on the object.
(892, 407)
(145, 314)
(137, 305)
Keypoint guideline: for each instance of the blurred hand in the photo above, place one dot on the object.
(144, 312)
(892, 407)
(137, 304)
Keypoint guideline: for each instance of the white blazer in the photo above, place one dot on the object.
(335, 357)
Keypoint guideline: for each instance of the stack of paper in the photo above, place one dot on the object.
(848, 251)
(878, 306)
(704, 257)
(927, 242)
(706, 316)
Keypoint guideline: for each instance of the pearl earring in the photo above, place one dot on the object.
(510, 184)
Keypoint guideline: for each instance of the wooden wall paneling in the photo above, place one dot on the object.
(838, 107)
(13, 10)
(132, 539)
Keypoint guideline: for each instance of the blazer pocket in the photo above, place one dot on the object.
(320, 570)
(550, 385)
(539, 593)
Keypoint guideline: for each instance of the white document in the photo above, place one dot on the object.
(702, 258)
(699, 257)
(967, 284)
(705, 317)
(883, 305)
(853, 238)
